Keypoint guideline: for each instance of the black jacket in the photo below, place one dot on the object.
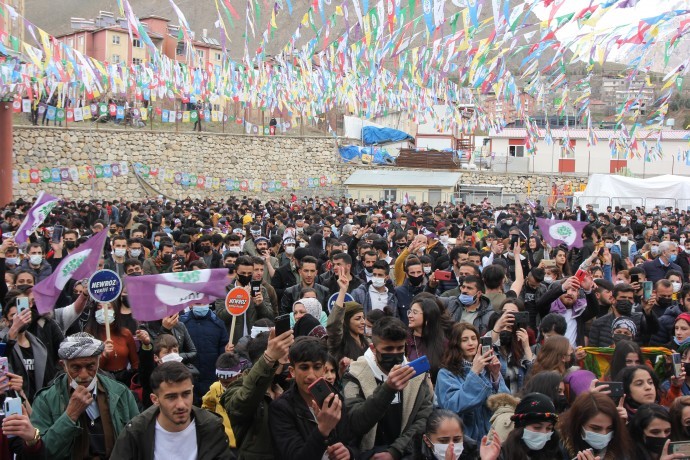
(137, 440)
(295, 432)
(600, 334)
(282, 279)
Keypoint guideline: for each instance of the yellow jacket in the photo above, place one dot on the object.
(211, 402)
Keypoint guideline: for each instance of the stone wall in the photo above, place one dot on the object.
(289, 160)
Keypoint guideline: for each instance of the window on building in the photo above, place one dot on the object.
(136, 61)
(116, 39)
(218, 56)
(81, 41)
(116, 58)
(516, 151)
(70, 42)
(389, 194)
(179, 51)
(200, 53)
(136, 43)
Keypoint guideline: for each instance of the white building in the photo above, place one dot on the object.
(509, 152)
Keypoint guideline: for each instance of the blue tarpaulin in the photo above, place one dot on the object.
(372, 135)
(368, 155)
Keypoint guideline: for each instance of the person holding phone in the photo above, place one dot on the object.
(650, 428)
(467, 378)
(346, 327)
(302, 428)
(426, 336)
(641, 386)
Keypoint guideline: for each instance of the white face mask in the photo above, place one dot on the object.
(676, 286)
(682, 241)
(119, 252)
(36, 259)
(440, 450)
(535, 440)
(608, 245)
(289, 250)
(302, 244)
(596, 440)
(135, 253)
(427, 270)
(378, 282)
(422, 249)
(234, 249)
(443, 238)
(624, 239)
(654, 250)
(548, 279)
(90, 387)
(509, 222)
(100, 316)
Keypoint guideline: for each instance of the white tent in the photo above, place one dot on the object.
(611, 190)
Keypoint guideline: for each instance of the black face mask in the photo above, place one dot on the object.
(70, 244)
(206, 249)
(506, 338)
(618, 337)
(386, 361)
(244, 279)
(686, 366)
(167, 258)
(230, 267)
(624, 307)
(125, 300)
(416, 280)
(655, 445)
(664, 302)
(561, 403)
(282, 379)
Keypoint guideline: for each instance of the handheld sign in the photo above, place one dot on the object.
(104, 286)
(331, 300)
(236, 303)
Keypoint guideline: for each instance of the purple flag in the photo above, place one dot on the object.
(153, 297)
(78, 265)
(568, 232)
(35, 217)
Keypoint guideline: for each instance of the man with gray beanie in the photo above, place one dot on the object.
(81, 414)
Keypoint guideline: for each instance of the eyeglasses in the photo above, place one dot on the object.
(413, 312)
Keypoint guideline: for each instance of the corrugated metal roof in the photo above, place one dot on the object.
(602, 134)
(387, 177)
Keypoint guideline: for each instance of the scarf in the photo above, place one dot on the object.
(578, 307)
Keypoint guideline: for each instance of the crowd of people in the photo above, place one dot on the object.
(506, 323)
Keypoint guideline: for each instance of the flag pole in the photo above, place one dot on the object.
(232, 328)
(107, 323)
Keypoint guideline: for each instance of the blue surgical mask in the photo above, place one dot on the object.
(12, 261)
(675, 340)
(673, 257)
(156, 244)
(466, 299)
(535, 440)
(598, 441)
(200, 310)
(664, 229)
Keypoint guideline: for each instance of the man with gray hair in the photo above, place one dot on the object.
(657, 268)
(81, 414)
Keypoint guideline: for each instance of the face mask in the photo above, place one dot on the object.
(608, 245)
(36, 259)
(367, 332)
(119, 252)
(655, 445)
(378, 282)
(200, 310)
(535, 440)
(300, 229)
(664, 302)
(654, 250)
(90, 387)
(664, 229)
(676, 286)
(561, 403)
(12, 261)
(427, 270)
(416, 280)
(100, 316)
(687, 251)
(386, 361)
(135, 253)
(618, 337)
(673, 258)
(206, 249)
(624, 239)
(349, 221)
(303, 244)
(441, 449)
(422, 249)
(403, 222)
(548, 279)
(509, 222)
(506, 338)
(649, 223)
(167, 258)
(70, 244)
(156, 244)
(596, 440)
(444, 238)
(686, 367)
(234, 249)
(624, 307)
(244, 279)
(681, 241)
(686, 340)
(466, 299)
(289, 250)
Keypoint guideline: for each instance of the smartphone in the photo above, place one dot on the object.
(180, 260)
(647, 288)
(680, 447)
(486, 344)
(580, 275)
(420, 365)
(548, 263)
(677, 365)
(521, 319)
(442, 275)
(57, 234)
(514, 239)
(616, 389)
(13, 406)
(320, 390)
(3, 348)
(282, 324)
(4, 367)
(255, 287)
(22, 304)
(634, 278)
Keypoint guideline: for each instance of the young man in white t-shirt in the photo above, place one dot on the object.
(173, 427)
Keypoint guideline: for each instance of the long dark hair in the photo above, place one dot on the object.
(643, 417)
(546, 383)
(433, 423)
(92, 326)
(453, 357)
(516, 350)
(432, 332)
(678, 431)
(620, 353)
(514, 448)
(585, 407)
(626, 376)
